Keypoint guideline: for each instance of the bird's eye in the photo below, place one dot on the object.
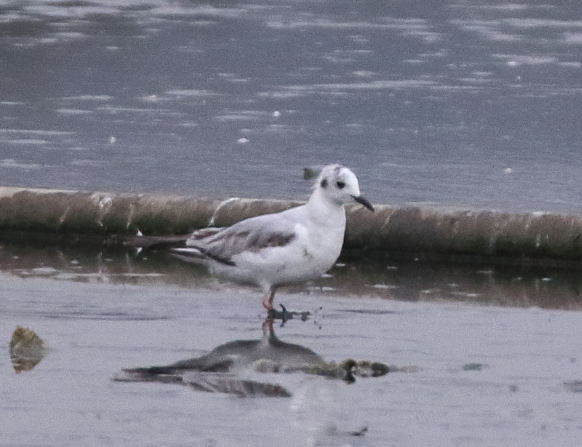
(340, 185)
(324, 183)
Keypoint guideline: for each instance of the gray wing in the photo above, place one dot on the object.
(254, 234)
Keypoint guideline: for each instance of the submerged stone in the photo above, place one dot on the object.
(26, 348)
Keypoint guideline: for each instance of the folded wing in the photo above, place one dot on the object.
(250, 235)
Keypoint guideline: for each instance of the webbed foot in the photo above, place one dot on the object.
(284, 315)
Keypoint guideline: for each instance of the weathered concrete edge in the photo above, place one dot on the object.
(112, 217)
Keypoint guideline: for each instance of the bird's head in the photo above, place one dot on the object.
(340, 185)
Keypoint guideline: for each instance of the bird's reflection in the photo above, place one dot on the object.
(218, 371)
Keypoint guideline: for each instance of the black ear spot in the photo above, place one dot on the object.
(324, 183)
(340, 184)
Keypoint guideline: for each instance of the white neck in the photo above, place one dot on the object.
(324, 211)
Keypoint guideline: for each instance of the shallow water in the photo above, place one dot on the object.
(495, 371)
(454, 103)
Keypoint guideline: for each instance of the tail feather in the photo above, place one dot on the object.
(156, 242)
(187, 254)
(192, 254)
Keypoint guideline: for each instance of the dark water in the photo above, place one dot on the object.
(452, 102)
(397, 279)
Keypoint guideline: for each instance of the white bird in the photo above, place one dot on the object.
(293, 246)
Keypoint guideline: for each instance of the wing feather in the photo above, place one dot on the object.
(251, 235)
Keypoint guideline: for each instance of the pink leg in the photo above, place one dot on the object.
(268, 299)
(268, 327)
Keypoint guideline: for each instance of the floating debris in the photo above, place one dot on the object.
(574, 386)
(26, 349)
(473, 366)
(361, 432)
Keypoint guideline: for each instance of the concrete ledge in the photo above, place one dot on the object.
(111, 218)
(468, 232)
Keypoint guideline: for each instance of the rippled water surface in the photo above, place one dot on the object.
(458, 103)
(462, 103)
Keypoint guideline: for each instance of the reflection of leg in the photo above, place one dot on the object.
(268, 327)
(268, 299)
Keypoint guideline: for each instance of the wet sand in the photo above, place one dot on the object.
(499, 369)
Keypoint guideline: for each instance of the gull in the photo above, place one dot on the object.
(292, 246)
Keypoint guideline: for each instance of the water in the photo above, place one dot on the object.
(492, 353)
(451, 103)
(457, 103)
(481, 373)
